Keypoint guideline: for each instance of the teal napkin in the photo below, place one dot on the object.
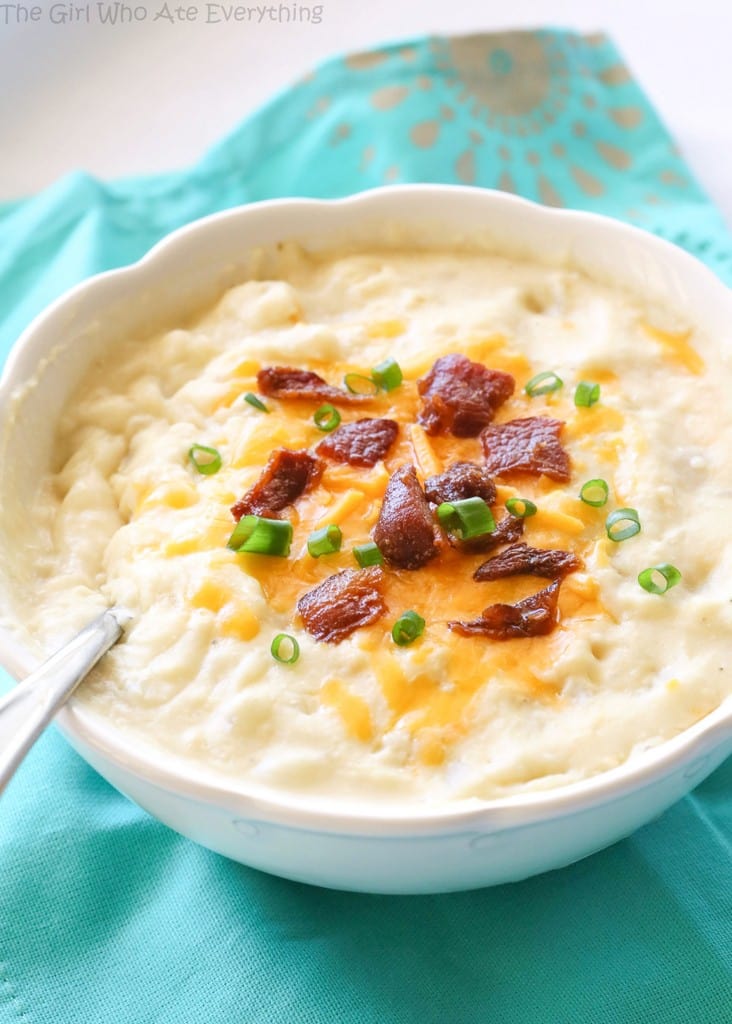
(107, 917)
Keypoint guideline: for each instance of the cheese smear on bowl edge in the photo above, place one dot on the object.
(125, 519)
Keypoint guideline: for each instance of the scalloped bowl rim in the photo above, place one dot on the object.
(88, 729)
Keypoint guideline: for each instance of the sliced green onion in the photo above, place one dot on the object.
(407, 628)
(586, 394)
(325, 542)
(358, 384)
(622, 523)
(368, 554)
(595, 493)
(206, 460)
(469, 517)
(259, 536)
(521, 508)
(327, 418)
(543, 384)
(288, 641)
(256, 402)
(387, 375)
(670, 575)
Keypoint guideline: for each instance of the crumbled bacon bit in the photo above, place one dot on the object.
(528, 445)
(459, 481)
(405, 531)
(461, 397)
(520, 558)
(285, 477)
(508, 530)
(534, 616)
(288, 382)
(343, 603)
(362, 443)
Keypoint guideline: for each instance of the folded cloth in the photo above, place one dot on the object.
(107, 917)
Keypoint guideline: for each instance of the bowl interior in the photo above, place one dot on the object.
(191, 268)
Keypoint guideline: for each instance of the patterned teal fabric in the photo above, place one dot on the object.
(107, 917)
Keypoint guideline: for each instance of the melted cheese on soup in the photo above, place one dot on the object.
(126, 519)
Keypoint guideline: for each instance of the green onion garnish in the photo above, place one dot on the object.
(543, 383)
(368, 554)
(586, 394)
(288, 641)
(206, 460)
(327, 418)
(407, 628)
(256, 402)
(469, 517)
(670, 575)
(622, 523)
(595, 493)
(260, 536)
(387, 375)
(357, 384)
(325, 542)
(521, 508)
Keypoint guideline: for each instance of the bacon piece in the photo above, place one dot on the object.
(361, 443)
(288, 382)
(342, 603)
(507, 531)
(405, 532)
(459, 481)
(534, 616)
(285, 477)
(461, 397)
(520, 558)
(529, 445)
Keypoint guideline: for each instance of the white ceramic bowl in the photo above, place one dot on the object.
(493, 841)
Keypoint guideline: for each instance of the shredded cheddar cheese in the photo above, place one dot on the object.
(427, 462)
(343, 507)
(676, 345)
(240, 622)
(386, 329)
(211, 595)
(353, 710)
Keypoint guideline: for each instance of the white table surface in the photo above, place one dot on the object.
(151, 96)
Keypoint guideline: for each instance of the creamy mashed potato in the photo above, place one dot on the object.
(127, 520)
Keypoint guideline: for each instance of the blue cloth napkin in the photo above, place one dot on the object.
(107, 917)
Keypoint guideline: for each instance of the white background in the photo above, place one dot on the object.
(152, 96)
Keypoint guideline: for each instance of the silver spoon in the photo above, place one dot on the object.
(29, 707)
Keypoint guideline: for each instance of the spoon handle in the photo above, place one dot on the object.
(29, 707)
